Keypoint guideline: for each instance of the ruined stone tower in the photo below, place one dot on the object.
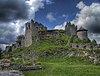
(31, 29)
(82, 33)
(70, 29)
(28, 34)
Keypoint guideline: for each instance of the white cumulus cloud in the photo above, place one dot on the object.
(81, 5)
(34, 5)
(50, 17)
(60, 27)
(89, 18)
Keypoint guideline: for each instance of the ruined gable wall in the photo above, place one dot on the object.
(73, 30)
(70, 29)
(36, 27)
(82, 35)
(20, 41)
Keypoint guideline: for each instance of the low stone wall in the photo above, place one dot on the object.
(24, 68)
(83, 46)
(11, 73)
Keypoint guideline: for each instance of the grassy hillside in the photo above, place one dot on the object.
(51, 46)
(52, 55)
(65, 67)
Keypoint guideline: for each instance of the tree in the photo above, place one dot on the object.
(94, 42)
(0, 53)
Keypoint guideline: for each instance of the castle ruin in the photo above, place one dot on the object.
(33, 28)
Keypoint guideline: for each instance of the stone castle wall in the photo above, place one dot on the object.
(36, 27)
(13, 47)
(70, 29)
(33, 28)
(49, 34)
(8, 48)
(20, 41)
(28, 35)
(82, 34)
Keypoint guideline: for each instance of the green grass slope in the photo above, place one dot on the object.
(65, 67)
(55, 64)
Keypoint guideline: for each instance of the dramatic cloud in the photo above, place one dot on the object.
(50, 17)
(14, 14)
(9, 31)
(89, 18)
(20, 9)
(35, 5)
(13, 10)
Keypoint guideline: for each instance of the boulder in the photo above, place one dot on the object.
(11, 73)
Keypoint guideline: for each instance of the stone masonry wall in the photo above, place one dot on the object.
(82, 34)
(28, 35)
(49, 34)
(70, 29)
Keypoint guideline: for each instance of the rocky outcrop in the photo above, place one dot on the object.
(11, 73)
(86, 55)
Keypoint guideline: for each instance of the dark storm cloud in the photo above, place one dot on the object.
(94, 28)
(13, 10)
(7, 34)
(13, 16)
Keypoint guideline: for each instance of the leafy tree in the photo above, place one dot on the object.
(94, 42)
(0, 53)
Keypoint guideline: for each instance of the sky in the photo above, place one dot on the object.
(53, 14)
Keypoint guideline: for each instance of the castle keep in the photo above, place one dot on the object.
(33, 28)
